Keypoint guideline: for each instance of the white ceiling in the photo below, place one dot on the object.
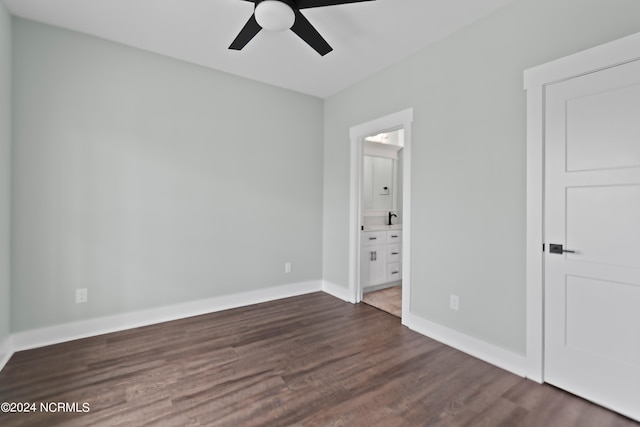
(366, 37)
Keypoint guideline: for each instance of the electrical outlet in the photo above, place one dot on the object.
(454, 302)
(287, 267)
(81, 295)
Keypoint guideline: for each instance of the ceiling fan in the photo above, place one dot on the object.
(280, 15)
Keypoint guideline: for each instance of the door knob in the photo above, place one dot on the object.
(557, 249)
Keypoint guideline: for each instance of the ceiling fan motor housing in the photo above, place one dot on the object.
(290, 3)
(275, 15)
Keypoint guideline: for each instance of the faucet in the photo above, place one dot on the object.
(391, 214)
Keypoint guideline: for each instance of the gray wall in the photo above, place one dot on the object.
(468, 157)
(151, 181)
(5, 168)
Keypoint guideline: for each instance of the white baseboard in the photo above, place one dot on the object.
(337, 291)
(6, 351)
(70, 331)
(103, 325)
(500, 357)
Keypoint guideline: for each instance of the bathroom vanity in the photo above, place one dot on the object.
(381, 256)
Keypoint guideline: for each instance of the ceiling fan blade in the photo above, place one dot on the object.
(303, 28)
(306, 4)
(250, 29)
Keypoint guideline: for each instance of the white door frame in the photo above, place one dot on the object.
(536, 79)
(401, 119)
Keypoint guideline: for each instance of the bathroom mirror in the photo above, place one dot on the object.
(381, 165)
(379, 183)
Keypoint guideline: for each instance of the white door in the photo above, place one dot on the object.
(592, 207)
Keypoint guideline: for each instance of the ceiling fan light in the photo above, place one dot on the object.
(274, 15)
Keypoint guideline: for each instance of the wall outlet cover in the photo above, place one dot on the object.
(454, 302)
(81, 295)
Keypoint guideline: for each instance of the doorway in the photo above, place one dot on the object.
(381, 222)
(381, 255)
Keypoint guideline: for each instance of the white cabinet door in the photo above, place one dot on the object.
(374, 258)
(592, 294)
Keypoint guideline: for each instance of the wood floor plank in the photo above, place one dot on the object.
(305, 361)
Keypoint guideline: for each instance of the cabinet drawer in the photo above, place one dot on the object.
(394, 236)
(393, 253)
(371, 238)
(394, 272)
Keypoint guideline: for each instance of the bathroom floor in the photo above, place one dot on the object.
(389, 300)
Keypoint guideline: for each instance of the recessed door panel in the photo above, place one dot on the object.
(603, 333)
(603, 130)
(603, 224)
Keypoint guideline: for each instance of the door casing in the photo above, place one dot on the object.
(536, 79)
(401, 119)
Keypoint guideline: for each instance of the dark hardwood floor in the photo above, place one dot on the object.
(305, 361)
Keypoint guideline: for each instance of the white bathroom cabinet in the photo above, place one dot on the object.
(381, 258)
